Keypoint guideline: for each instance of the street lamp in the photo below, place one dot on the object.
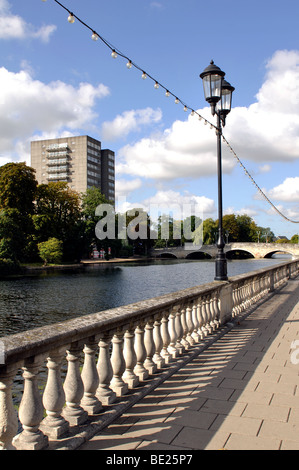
(218, 93)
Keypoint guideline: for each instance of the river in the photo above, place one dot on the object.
(36, 300)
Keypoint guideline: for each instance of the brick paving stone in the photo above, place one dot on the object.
(237, 442)
(275, 413)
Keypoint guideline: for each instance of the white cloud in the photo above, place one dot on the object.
(186, 150)
(30, 107)
(172, 203)
(287, 191)
(266, 131)
(130, 121)
(265, 168)
(15, 27)
(250, 211)
(123, 188)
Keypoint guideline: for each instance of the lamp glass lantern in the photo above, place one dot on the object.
(212, 78)
(225, 103)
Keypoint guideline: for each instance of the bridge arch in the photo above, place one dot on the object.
(166, 255)
(276, 252)
(198, 255)
(238, 253)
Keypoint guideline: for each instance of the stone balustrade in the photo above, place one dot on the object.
(91, 362)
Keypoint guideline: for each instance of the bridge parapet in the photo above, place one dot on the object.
(257, 250)
(121, 348)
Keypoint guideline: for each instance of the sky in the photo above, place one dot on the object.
(55, 81)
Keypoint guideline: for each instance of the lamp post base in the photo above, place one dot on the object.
(221, 268)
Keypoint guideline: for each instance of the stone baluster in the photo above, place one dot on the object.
(240, 298)
(158, 342)
(74, 388)
(149, 347)
(171, 325)
(165, 337)
(8, 415)
(139, 369)
(190, 325)
(118, 365)
(217, 308)
(235, 302)
(54, 425)
(208, 314)
(179, 331)
(213, 321)
(129, 375)
(90, 378)
(195, 322)
(205, 329)
(200, 319)
(31, 409)
(105, 372)
(184, 341)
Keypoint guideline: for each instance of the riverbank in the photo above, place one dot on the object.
(75, 266)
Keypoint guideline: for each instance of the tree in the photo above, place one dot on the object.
(230, 226)
(92, 199)
(51, 251)
(58, 215)
(244, 224)
(17, 193)
(17, 187)
(295, 239)
(209, 231)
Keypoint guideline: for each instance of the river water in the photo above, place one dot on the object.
(36, 300)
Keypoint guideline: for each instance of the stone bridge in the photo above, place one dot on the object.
(254, 250)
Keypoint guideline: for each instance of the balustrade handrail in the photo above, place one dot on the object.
(19, 346)
(121, 347)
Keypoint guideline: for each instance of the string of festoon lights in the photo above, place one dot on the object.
(115, 52)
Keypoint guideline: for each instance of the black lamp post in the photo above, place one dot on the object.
(218, 93)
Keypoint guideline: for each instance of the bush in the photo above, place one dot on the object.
(50, 251)
(8, 266)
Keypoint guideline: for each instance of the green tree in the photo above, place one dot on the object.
(51, 251)
(17, 194)
(230, 226)
(17, 187)
(244, 224)
(209, 230)
(58, 215)
(91, 199)
(294, 238)
(138, 226)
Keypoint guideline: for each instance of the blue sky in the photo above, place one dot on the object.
(56, 81)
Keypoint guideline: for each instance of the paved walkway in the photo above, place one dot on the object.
(241, 393)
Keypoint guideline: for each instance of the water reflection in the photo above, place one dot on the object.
(31, 301)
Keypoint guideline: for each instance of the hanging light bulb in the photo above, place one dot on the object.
(129, 64)
(114, 54)
(167, 93)
(143, 76)
(192, 112)
(71, 18)
(177, 101)
(185, 109)
(94, 36)
(156, 85)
